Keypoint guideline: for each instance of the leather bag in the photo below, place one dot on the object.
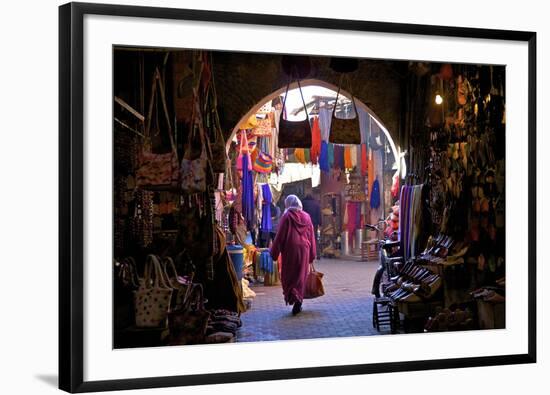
(345, 131)
(188, 322)
(314, 284)
(158, 171)
(294, 134)
(193, 171)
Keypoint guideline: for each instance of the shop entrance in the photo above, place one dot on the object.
(342, 188)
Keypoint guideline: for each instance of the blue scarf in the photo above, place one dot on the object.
(266, 225)
(247, 194)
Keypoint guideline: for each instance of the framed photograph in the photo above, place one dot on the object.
(249, 197)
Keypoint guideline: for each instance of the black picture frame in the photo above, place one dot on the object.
(71, 223)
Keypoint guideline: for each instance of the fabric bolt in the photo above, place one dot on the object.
(325, 118)
(347, 158)
(247, 193)
(266, 224)
(295, 242)
(323, 157)
(315, 141)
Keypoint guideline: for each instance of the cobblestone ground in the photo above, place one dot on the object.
(345, 309)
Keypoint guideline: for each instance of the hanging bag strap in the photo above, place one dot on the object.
(338, 93)
(301, 95)
(158, 81)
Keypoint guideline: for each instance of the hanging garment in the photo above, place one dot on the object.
(370, 170)
(375, 195)
(347, 158)
(395, 185)
(339, 157)
(325, 117)
(353, 153)
(323, 157)
(315, 141)
(247, 193)
(364, 160)
(307, 155)
(265, 225)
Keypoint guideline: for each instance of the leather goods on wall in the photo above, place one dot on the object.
(294, 134)
(153, 297)
(345, 131)
(158, 171)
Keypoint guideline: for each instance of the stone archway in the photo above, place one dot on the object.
(315, 82)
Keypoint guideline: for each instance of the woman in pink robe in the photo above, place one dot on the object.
(295, 241)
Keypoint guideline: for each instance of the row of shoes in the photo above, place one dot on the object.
(222, 326)
(450, 320)
(444, 250)
(489, 294)
(413, 283)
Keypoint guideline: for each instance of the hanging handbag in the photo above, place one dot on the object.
(188, 322)
(264, 127)
(294, 134)
(158, 171)
(153, 297)
(193, 172)
(263, 163)
(344, 131)
(244, 149)
(314, 284)
(219, 152)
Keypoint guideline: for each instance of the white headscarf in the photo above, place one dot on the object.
(292, 202)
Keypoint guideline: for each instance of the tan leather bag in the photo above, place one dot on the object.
(314, 284)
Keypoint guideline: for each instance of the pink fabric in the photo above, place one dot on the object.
(295, 242)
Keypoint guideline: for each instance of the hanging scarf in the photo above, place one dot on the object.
(330, 155)
(315, 141)
(370, 171)
(323, 157)
(300, 155)
(247, 193)
(347, 158)
(325, 118)
(266, 225)
(307, 155)
(375, 195)
(364, 160)
(353, 149)
(338, 157)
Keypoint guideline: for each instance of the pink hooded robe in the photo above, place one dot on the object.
(295, 241)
